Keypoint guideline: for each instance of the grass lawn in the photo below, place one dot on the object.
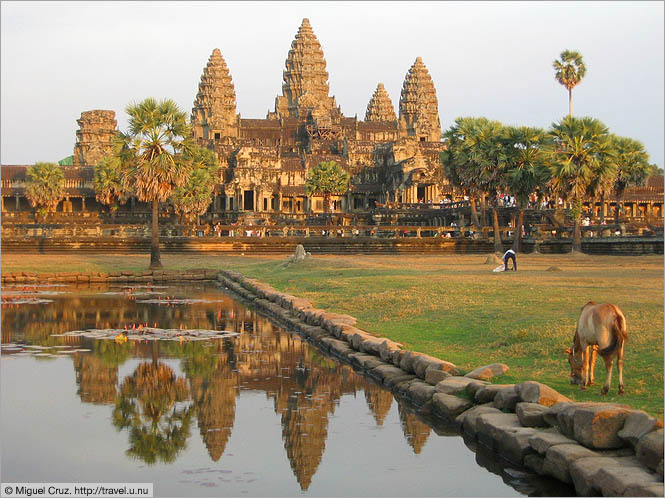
(455, 308)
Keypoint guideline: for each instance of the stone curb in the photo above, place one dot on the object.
(112, 277)
(554, 440)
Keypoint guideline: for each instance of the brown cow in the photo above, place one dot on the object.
(601, 327)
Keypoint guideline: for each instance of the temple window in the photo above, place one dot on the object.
(218, 136)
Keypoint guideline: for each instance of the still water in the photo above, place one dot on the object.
(256, 413)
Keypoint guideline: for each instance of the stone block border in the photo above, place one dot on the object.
(600, 448)
(33, 278)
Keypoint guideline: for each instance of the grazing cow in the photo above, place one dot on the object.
(601, 327)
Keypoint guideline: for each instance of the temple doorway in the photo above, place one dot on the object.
(248, 200)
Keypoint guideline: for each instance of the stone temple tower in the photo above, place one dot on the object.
(380, 107)
(214, 113)
(305, 91)
(418, 105)
(94, 138)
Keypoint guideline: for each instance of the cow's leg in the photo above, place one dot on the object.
(585, 367)
(608, 367)
(620, 368)
(592, 368)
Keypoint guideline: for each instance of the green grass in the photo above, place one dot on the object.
(454, 307)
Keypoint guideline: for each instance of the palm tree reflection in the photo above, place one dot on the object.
(148, 405)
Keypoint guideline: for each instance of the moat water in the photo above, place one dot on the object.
(256, 413)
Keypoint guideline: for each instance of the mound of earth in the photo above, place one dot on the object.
(493, 259)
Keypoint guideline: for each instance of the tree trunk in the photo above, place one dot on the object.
(326, 203)
(517, 238)
(577, 235)
(474, 212)
(570, 101)
(483, 211)
(602, 208)
(498, 246)
(155, 260)
(618, 210)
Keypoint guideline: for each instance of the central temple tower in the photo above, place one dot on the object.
(305, 91)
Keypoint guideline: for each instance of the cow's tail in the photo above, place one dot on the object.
(619, 333)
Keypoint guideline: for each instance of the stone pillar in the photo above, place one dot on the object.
(83, 204)
(17, 201)
(366, 201)
(227, 202)
(132, 204)
(278, 207)
(2, 204)
(257, 200)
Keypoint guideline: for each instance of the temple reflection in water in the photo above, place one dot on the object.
(156, 404)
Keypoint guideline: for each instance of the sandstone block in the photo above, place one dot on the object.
(649, 450)
(467, 421)
(449, 406)
(535, 392)
(383, 373)
(339, 348)
(433, 375)
(488, 371)
(420, 392)
(473, 387)
(637, 424)
(615, 480)
(558, 459)
(359, 337)
(534, 462)
(396, 381)
(346, 332)
(397, 356)
(453, 385)
(487, 393)
(408, 361)
(514, 443)
(542, 440)
(365, 361)
(597, 426)
(584, 471)
(654, 489)
(531, 414)
(491, 427)
(371, 346)
(506, 399)
(386, 349)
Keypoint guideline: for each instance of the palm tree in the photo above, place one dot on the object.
(108, 183)
(632, 166)
(526, 169)
(45, 186)
(581, 159)
(327, 178)
(476, 153)
(193, 198)
(152, 156)
(570, 70)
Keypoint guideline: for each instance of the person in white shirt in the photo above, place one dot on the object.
(510, 254)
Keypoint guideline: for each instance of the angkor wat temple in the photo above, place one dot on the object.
(265, 161)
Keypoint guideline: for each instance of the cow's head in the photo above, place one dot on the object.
(576, 363)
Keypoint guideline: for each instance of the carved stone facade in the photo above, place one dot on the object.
(94, 138)
(265, 161)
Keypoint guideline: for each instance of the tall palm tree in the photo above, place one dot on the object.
(633, 166)
(193, 198)
(581, 159)
(327, 178)
(45, 186)
(526, 168)
(570, 70)
(108, 183)
(152, 154)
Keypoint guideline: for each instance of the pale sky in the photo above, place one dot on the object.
(491, 59)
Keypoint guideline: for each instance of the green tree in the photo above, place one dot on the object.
(476, 158)
(327, 178)
(570, 70)
(152, 154)
(108, 183)
(193, 198)
(633, 166)
(581, 159)
(45, 186)
(526, 168)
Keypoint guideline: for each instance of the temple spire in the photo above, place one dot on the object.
(380, 107)
(305, 85)
(418, 105)
(214, 112)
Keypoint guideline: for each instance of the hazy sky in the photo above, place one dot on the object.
(489, 59)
